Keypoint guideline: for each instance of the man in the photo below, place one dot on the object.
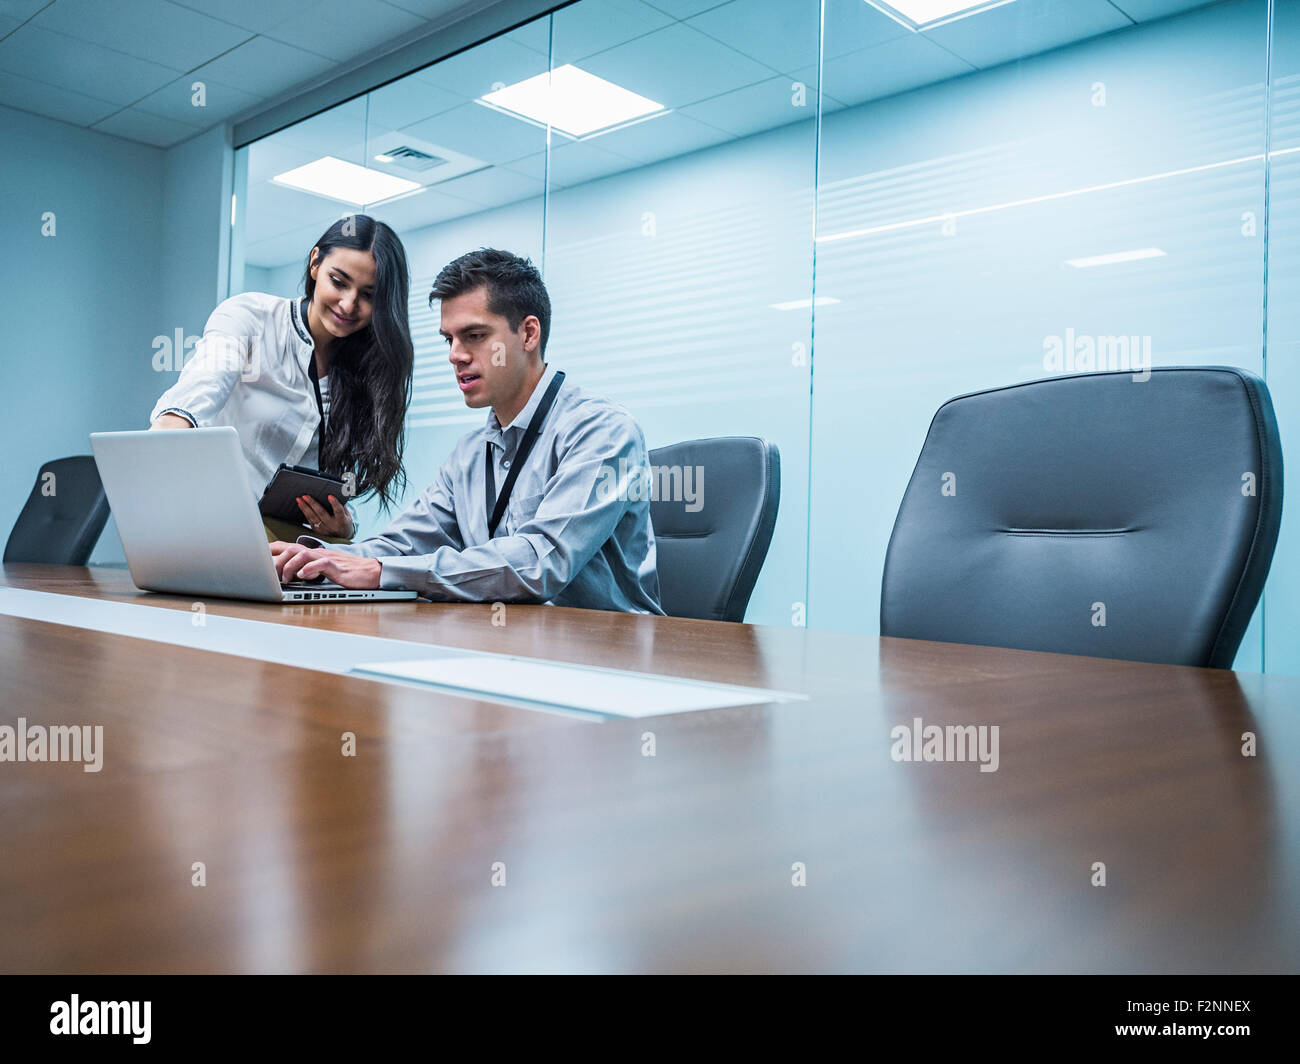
(569, 533)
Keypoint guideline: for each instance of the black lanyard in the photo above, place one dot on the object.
(494, 513)
(320, 409)
(320, 404)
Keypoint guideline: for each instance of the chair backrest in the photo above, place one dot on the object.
(1098, 514)
(63, 517)
(710, 546)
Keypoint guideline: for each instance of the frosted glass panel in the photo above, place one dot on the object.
(1104, 198)
(814, 223)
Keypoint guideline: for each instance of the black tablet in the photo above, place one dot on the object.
(280, 499)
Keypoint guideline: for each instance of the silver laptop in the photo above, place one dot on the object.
(189, 521)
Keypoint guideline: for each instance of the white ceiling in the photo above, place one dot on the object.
(725, 68)
(126, 67)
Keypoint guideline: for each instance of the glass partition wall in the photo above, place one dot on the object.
(914, 199)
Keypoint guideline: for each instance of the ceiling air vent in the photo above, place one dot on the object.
(412, 158)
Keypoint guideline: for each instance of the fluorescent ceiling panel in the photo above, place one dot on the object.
(337, 179)
(572, 101)
(925, 14)
(1115, 256)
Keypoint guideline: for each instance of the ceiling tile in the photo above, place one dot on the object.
(661, 138)
(481, 132)
(895, 66)
(684, 8)
(767, 105)
(260, 16)
(438, 9)
(80, 66)
(145, 128)
(21, 9)
(175, 101)
(1144, 10)
(272, 156)
(852, 25)
(147, 29)
(340, 131)
(403, 103)
(66, 106)
(492, 187)
(780, 33)
(1025, 28)
(264, 67)
(584, 29)
(344, 30)
(426, 208)
(676, 66)
(474, 72)
(535, 35)
(573, 163)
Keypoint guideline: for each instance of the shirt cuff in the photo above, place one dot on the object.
(177, 410)
(395, 576)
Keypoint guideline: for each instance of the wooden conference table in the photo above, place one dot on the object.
(614, 861)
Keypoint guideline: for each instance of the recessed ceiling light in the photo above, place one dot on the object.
(337, 179)
(571, 101)
(1115, 256)
(804, 304)
(925, 14)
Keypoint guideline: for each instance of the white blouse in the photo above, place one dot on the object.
(250, 370)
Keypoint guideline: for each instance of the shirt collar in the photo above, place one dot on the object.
(306, 345)
(524, 418)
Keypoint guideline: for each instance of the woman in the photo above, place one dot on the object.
(323, 381)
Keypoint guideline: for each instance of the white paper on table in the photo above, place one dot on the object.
(596, 690)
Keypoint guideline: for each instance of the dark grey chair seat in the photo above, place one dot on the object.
(710, 553)
(1092, 514)
(63, 517)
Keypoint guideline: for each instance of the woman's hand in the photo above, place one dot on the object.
(336, 522)
(171, 421)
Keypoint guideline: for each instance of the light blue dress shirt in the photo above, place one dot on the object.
(576, 531)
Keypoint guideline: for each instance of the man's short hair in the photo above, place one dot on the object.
(514, 287)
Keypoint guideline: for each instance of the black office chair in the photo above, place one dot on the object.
(710, 556)
(63, 517)
(1092, 514)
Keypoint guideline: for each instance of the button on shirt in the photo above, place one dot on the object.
(250, 370)
(572, 534)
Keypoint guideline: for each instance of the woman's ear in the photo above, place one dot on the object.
(314, 260)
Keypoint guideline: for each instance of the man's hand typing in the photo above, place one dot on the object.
(293, 561)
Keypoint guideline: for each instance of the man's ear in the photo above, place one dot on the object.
(532, 334)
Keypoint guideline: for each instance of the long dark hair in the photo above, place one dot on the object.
(370, 370)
